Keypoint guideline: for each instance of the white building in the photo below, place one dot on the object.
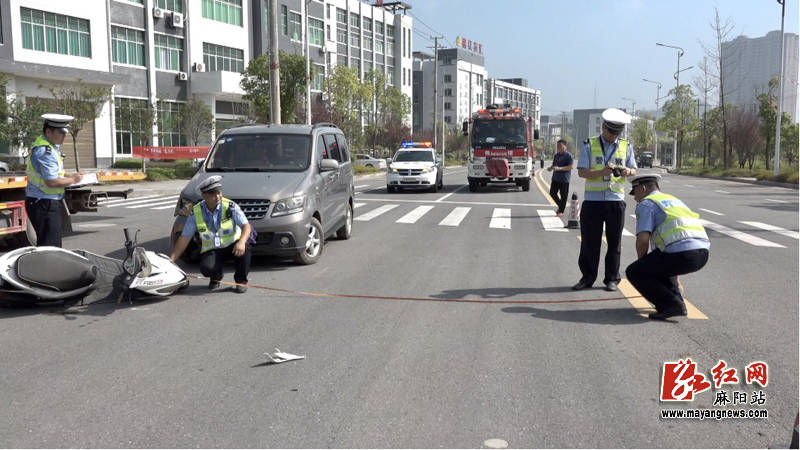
(515, 91)
(749, 64)
(461, 77)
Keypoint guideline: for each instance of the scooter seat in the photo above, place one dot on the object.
(56, 270)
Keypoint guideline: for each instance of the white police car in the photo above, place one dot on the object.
(415, 166)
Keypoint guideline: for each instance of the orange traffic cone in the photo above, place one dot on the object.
(574, 211)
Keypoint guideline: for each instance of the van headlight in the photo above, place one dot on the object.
(393, 169)
(289, 205)
(184, 207)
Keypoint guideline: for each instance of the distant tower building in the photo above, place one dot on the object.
(749, 64)
(515, 91)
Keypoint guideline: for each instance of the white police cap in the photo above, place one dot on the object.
(640, 179)
(210, 184)
(57, 121)
(616, 119)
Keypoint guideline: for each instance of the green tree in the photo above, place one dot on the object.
(22, 122)
(744, 135)
(641, 135)
(196, 121)
(255, 84)
(680, 113)
(82, 101)
(343, 96)
(767, 108)
(789, 139)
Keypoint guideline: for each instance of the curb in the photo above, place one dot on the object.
(743, 180)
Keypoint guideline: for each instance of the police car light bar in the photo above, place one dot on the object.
(411, 144)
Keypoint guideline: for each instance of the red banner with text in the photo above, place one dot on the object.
(170, 152)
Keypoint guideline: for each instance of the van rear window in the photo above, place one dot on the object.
(260, 152)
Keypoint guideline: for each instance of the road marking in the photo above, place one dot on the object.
(625, 232)
(633, 215)
(532, 205)
(689, 185)
(779, 230)
(711, 212)
(94, 225)
(415, 214)
(722, 192)
(154, 203)
(150, 201)
(455, 217)
(376, 212)
(166, 207)
(744, 237)
(501, 218)
(361, 186)
(550, 221)
(643, 307)
(448, 195)
(775, 201)
(103, 202)
(358, 205)
(546, 194)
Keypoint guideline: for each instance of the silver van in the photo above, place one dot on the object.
(293, 182)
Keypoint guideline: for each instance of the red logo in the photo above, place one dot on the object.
(756, 372)
(680, 381)
(722, 376)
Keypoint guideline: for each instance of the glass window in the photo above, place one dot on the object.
(341, 16)
(169, 129)
(261, 153)
(390, 76)
(168, 52)
(355, 40)
(220, 58)
(390, 30)
(127, 46)
(319, 78)
(355, 20)
(316, 33)
(344, 151)
(172, 5)
(367, 22)
(379, 47)
(284, 21)
(55, 33)
(225, 11)
(368, 43)
(130, 125)
(331, 147)
(379, 27)
(390, 48)
(295, 26)
(341, 36)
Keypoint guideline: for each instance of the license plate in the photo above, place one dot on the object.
(409, 179)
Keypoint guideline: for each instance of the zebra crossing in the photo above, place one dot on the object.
(501, 218)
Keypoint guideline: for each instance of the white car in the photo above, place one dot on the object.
(362, 159)
(415, 166)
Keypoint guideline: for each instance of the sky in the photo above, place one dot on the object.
(566, 47)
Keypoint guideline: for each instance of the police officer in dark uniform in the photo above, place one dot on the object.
(47, 179)
(224, 232)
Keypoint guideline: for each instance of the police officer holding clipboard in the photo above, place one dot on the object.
(47, 179)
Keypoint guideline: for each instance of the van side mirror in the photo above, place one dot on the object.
(328, 164)
(388, 161)
(465, 127)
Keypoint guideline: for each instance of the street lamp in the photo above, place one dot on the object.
(677, 75)
(780, 99)
(655, 133)
(677, 84)
(633, 109)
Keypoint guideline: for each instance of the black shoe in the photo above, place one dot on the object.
(581, 285)
(240, 289)
(666, 314)
(611, 286)
(213, 284)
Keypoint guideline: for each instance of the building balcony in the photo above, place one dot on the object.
(217, 83)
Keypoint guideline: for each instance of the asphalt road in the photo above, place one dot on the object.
(469, 333)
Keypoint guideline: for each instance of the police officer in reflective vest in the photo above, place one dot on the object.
(679, 246)
(604, 162)
(47, 180)
(224, 232)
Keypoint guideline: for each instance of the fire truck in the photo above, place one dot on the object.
(17, 231)
(501, 147)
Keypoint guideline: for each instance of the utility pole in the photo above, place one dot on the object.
(780, 100)
(304, 15)
(444, 127)
(274, 65)
(435, 83)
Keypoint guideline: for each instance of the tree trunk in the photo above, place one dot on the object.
(75, 152)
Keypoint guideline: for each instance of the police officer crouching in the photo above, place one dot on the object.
(224, 232)
(679, 241)
(47, 180)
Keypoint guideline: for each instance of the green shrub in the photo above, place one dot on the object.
(793, 177)
(160, 173)
(185, 171)
(358, 170)
(128, 164)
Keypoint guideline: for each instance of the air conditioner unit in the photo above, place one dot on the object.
(177, 20)
(199, 67)
(158, 13)
(183, 76)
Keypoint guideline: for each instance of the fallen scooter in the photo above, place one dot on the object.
(32, 275)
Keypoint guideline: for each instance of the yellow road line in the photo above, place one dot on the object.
(545, 193)
(644, 307)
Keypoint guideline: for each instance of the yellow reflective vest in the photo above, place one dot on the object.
(227, 234)
(681, 222)
(597, 162)
(35, 178)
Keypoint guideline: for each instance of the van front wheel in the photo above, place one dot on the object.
(314, 244)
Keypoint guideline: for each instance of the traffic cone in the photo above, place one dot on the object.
(574, 210)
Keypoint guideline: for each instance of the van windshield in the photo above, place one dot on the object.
(260, 153)
(414, 155)
(499, 132)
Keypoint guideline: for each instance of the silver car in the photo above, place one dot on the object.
(362, 159)
(293, 182)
